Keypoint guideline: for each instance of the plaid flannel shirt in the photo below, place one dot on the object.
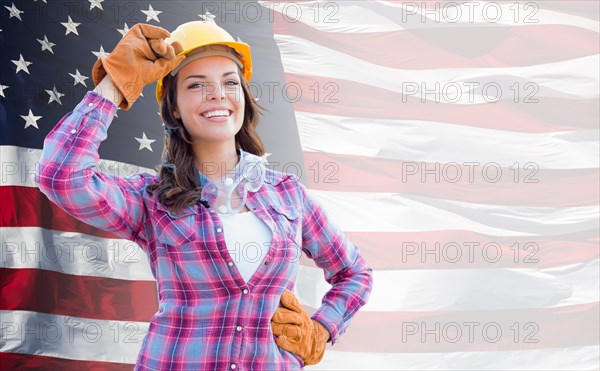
(209, 318)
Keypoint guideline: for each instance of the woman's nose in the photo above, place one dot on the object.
(216, 91)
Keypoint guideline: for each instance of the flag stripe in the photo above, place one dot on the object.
(383, 16)
(390, 212)
(438, 142)
(73, 253)
(513, 46)
(16, 361)
(88, 339)
(520, 109)
(78, 296)
(468, 183)
(412, 290)
(460, 249)
(534, 359)
(580, 77)
(28, 207)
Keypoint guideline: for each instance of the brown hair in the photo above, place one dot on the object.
(179, 185)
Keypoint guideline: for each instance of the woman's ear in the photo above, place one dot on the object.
(176, 114)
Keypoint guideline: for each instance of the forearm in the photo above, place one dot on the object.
(108, 90)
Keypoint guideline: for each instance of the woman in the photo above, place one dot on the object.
(223, 233)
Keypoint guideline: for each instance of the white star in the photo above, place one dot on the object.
(151, 14)
(79, 78)
(31, 120)
(21, 64)
(124, 30)
(95, 4)
(42, 0)
(46, 45)
(101, 53)
(145, 142)
(54, 95)
(14, 12)
(207, 17)
(2, 87)
(70, 26)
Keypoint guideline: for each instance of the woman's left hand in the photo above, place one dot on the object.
(298, 333)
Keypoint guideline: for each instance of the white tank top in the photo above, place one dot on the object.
(248, 240)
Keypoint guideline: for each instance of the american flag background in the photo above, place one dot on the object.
(455, 142)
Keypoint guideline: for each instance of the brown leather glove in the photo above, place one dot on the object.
(140, 58)
(297, 332)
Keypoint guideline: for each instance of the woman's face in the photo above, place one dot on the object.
(210, 99)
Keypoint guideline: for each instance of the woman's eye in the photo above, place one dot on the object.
(195, 85)
(232, 82)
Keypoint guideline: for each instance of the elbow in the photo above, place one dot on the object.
(54, 179)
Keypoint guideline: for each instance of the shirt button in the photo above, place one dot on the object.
(233, 366)
(230, 264)
(245, 291)
(239, 328)
(73, 131)
(228, 181)
(219, 230)
(267, 262)
(90, 104)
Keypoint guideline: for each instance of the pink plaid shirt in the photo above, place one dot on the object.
(209, 318)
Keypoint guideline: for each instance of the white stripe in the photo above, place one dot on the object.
(578, 76)
(467, 289)
(412, 140)
(71, 337)
(19, 165)
(364, 16)
(73, 253)
(586, 358)
(394, 212)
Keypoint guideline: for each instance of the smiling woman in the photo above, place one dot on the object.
(223, 233)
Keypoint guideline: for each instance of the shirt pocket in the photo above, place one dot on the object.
(288, 221)
(176, 230)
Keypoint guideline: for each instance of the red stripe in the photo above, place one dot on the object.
(15, 361)
(461, 249)
(445, 47)
(516, 186)
(347, 98)
(28, 207)
(539, 328)
(51, 292)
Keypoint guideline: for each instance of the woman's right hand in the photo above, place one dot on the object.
(141, 57)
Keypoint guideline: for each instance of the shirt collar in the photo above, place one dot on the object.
(250, 167)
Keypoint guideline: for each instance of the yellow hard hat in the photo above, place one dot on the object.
(196, 34)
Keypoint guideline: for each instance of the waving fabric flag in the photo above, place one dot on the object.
(455, 143)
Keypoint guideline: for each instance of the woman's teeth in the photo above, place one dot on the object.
(216, 113)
